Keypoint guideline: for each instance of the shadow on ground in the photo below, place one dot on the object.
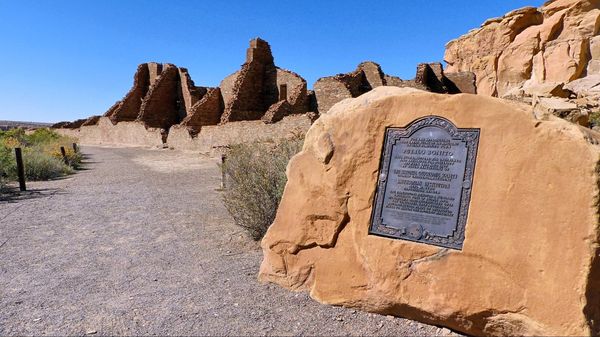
(13, 194)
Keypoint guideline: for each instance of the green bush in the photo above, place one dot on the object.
(255, 179)
(43, 136)
(41, 166)
(42, 158)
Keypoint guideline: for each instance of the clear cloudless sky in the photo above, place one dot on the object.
(63, 60)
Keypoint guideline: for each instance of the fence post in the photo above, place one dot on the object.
(75, 147)
(20, 169)
(223, 158)
(64, 155)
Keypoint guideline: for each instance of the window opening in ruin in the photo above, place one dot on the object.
(282, 92)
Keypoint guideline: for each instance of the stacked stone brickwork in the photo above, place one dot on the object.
(164, 97)
(206, 111)
(161, 106)
(128, 108)
(368, 75)
(250, 92)
(93, 120)
(69, 125)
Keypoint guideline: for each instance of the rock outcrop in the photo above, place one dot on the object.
(530, 261)
(534, 50)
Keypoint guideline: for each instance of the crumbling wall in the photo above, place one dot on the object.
(164, 97)
(250, 92)
(69, 125)
(250, 96)
(128, 108)
(189, 93)
(214, 138)
(374, 76)
(368, 75)
(294, 91)
(121, 134)
(160, 107)
(206, 111)
(93, 120)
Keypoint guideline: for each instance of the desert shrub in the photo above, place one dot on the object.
(41, 166)
(42, 158)
(43, 136)
(595, 118)
(255, 179)
(6, 160)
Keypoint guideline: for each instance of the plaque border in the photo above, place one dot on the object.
(392, 134)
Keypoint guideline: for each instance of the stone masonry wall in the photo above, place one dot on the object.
(159, 109)
(206, 111)
(128, 109)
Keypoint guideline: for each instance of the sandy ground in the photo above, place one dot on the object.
(140, 243)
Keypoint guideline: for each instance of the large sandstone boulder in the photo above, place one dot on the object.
(553, 44)
(530, 260)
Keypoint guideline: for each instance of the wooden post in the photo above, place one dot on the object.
(20, 169)
(64, 155)
(75, 147)
(223, 158)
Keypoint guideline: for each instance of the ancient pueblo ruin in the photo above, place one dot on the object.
(467, 197)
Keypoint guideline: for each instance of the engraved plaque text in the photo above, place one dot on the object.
(425, 180)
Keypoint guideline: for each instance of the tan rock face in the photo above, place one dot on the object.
(529, 264)
(550, 44)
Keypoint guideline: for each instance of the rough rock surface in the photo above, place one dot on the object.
(161, 107)
(554, 44)
(104, 132)
(212, 139)
(368, 75)
(162, 95)
(250, 92)
(333, 89)
(206, 111)
(128, 108)
(69, 125)
(529, 264)
(93, 120)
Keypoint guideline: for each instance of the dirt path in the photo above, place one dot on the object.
(141, 244)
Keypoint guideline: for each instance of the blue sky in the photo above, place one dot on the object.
(63, 60)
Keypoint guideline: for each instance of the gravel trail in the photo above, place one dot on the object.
(140, 243)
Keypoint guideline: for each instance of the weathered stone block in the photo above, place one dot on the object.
(206, 111)
(161, 106)
(463, 82)
(530, 261)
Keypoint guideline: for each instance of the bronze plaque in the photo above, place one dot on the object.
(425, 178)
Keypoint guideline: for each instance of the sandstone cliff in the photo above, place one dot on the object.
(553, 50)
